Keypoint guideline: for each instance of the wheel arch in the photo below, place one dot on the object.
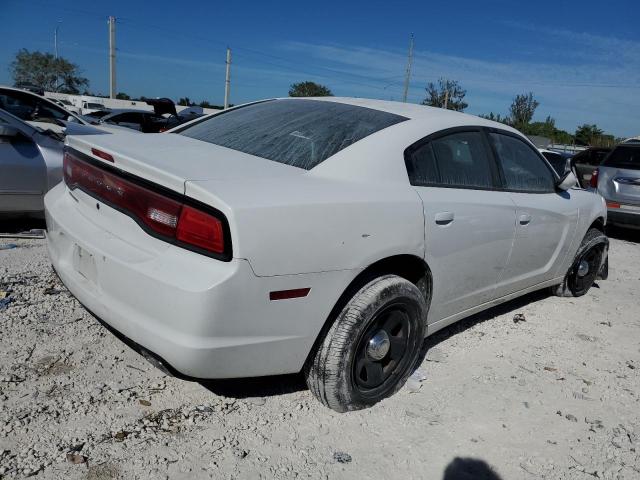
(407, 266)
(598, 223)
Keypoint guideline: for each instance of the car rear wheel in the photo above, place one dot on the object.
(371, 348)
(591, 262)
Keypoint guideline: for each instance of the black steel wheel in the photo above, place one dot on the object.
(585, 271)
(372, 346)
(382, 348)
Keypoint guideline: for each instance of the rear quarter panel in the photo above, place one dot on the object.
(308, 224)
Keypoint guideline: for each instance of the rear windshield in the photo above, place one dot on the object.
(624, 157)
(302, 133)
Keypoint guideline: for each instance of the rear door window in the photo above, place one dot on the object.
(456, 160)
(624, 157)
(302, 133)
(523, 169)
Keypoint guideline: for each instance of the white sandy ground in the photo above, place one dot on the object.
(556, 396)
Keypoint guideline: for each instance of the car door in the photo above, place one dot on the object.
(23, 170)
(546, 218)
(469, 222)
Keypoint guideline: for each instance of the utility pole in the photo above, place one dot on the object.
(55, 41)
(112, 57)
(408, 73)
(446, 98)
(227, 81)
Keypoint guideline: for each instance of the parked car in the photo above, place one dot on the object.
(97, 114)
(617, 179)
(560, 163)
(141, 120)
(586, 161)
(36, 109)
(181, 117)
(66, 104)
(323, 235)
(90, 107)
(30, 165)
(31, 152)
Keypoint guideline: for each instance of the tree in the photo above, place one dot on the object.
(44, 71)
(522, 110)
(447, 92)
(309, 89)
(122, 96)
(186, 101)
(588, 134)
(496, 117)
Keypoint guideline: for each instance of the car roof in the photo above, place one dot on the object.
(413, 111)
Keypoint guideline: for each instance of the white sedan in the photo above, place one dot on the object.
(327, 236)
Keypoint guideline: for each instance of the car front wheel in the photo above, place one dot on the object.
(371, 348)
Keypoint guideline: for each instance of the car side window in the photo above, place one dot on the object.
(523, 169)
(455, 160)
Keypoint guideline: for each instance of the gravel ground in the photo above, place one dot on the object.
(553, 394)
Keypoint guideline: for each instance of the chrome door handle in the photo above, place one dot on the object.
(444, 218)
(525, 219)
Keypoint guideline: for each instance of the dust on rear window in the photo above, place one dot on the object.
(624, 157)
(302, 133)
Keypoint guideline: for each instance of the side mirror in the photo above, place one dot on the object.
(568, 181)
(7, 131)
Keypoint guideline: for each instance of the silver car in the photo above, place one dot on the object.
(30, 165)
(618, 181)
(31, 160)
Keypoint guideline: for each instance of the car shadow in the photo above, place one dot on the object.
(624, 234)
(276, 385)
(22, 224)
(466, 323)
(234, 388)
(281, 384)
(469, 469)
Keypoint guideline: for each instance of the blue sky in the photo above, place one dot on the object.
(581, 59)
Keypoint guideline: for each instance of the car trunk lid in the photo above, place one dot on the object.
(170, 160)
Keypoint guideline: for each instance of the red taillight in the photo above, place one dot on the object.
(158, 214)
(593, 183)
(200, 229)
(613, 205)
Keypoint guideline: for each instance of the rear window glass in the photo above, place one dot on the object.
(302, 133)
(624, 157)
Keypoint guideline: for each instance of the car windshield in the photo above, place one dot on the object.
(95, 105)
(624, 157)
(302, 133)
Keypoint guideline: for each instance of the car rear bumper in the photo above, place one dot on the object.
(623, 216)
(204, 317)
